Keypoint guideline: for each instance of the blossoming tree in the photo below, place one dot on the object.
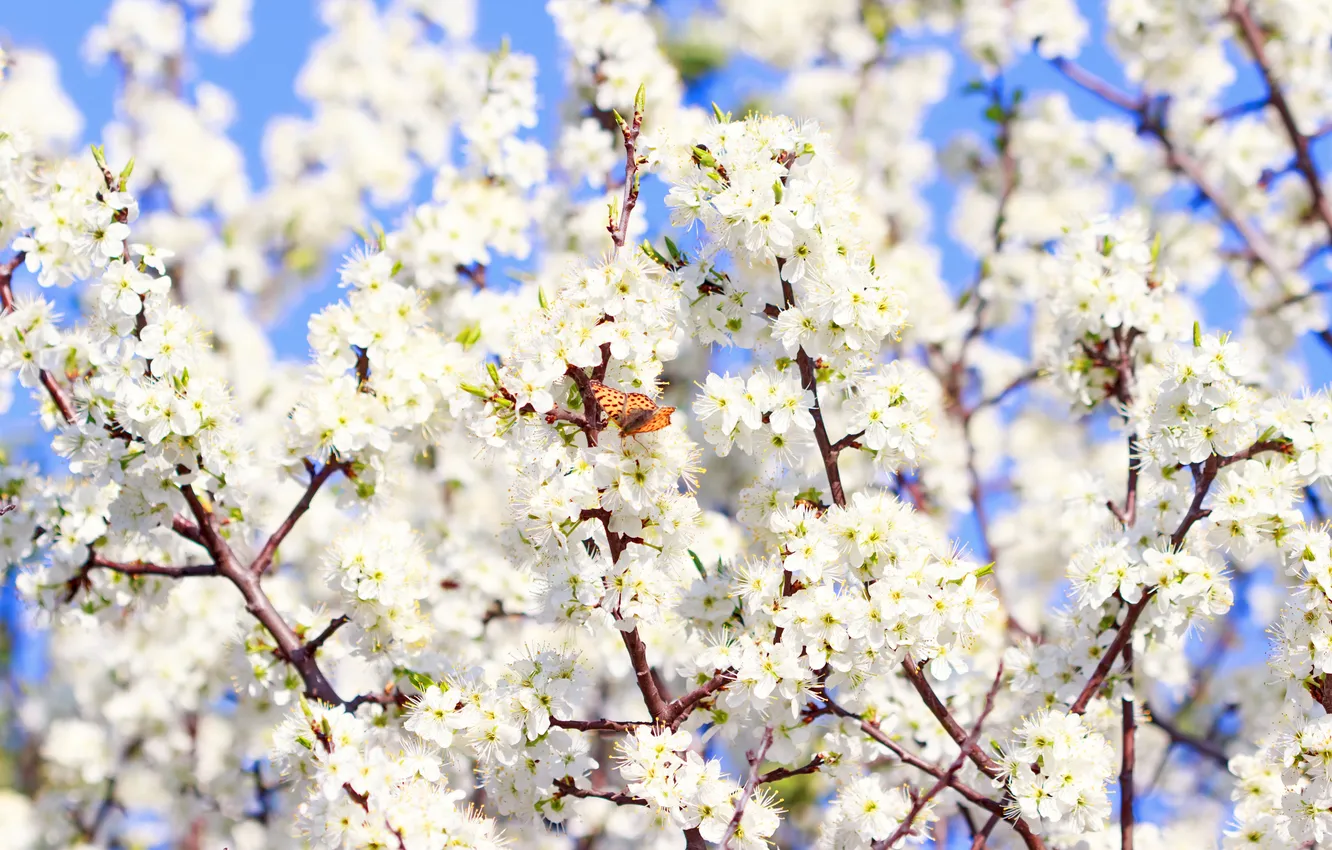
(967, 560)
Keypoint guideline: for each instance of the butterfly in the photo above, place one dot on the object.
(635, 413)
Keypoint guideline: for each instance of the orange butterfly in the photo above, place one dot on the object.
(635, 413)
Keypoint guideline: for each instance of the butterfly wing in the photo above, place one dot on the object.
(638, 409)
(659, 418)
(611, 400)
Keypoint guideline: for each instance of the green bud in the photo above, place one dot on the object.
(475, 390)
(704, 157)
(469, 336)
(653, 254)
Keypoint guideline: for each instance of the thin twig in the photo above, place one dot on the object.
(905, 827)
(1128, 748)
(1202, 746)
(981, 837)
(755, 757)
(264, 559)
(599, 725)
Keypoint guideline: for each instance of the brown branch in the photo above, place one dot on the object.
(1209, 749)
(6, 278)
(681, 708)
(978, 843)
(995, 807)
(389, 696)
(1097, 86)
(1203, 476)
(591, 409)
(1254, 40)
(559, 414)
(809, 382)
(320, 639)
(1015, 385)
(964, 751)
(258, 604)
(755, 758)
(1255, 241)
(139, 568)
(59, 397)
(850, 441)
(186, 529)
(1127, 749)
(264, 559)
(647, 683)
(566, 788)
(1112, 653)
(619, 231)
(777, 775)
(599, 725)
(987, 765)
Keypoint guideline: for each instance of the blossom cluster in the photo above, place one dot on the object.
(460, 578)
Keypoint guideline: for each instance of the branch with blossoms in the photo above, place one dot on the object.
(544, 614)
(204, 531)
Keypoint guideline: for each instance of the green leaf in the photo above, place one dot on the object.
(1197, 335)
(493, 371)
(670, 246)
(640, 99)
(698, 564)
(126, 172)
(420, 681)
(653, 254)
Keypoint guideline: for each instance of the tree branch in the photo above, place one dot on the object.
(777, 775)
(264, 559)
(964, 751)
(1208, 749)
(565, 788)
(931, 699)
(1254, 40)
(139, 568)
(1128, 747)
(755, 758)
(599, 725)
